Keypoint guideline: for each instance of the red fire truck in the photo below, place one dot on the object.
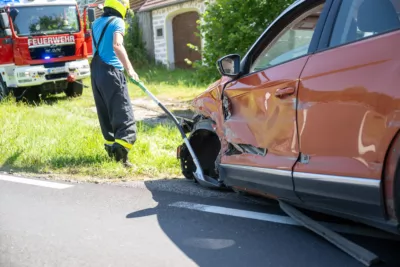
(44, 48)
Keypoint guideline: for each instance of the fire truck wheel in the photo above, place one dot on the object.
(25, 94)
(74, 90)
(3, 89)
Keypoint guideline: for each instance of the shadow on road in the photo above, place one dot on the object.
(218, 240)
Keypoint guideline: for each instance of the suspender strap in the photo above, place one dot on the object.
(96, 45)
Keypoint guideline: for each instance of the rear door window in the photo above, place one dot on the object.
(360, 19)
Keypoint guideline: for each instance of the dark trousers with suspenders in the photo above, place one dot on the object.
(112, 101)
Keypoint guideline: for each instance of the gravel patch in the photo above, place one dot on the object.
(147, 111)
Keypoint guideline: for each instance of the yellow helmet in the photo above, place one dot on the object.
(121, 6)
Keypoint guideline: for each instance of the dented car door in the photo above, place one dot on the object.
(260, 107)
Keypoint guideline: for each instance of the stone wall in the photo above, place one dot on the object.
(162, 29)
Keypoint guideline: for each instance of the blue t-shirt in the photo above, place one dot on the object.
(106, 50)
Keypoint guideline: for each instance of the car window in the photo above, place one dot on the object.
(359, 19)
(291, 43)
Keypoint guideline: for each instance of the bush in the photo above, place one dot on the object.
(232, 26)
(134, 44)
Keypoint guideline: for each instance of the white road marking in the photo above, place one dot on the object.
(14, 179)
(344, 229)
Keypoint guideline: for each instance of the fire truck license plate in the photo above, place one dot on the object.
(57, 70)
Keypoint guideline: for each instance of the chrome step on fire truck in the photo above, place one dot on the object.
(44, 48)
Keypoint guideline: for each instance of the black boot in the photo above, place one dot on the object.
(108, 149)
(121, 154)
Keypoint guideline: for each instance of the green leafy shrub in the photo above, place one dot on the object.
(134, 44)
(232, 26)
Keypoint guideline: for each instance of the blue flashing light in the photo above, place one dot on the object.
(9, 1)
(47, 57)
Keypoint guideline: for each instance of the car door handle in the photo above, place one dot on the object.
(284, 92)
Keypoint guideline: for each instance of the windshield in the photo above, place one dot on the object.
(44, 20)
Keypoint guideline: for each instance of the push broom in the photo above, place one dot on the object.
(198, 174)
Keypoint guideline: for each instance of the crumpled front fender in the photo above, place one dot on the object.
(209, 103)
(206, 132)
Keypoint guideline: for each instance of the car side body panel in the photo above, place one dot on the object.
(260, 114)
(261, 119)
(348, 114)
(332, 146)
(266, 122)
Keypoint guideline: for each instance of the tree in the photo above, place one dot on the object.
(135, 46)
(232, 26)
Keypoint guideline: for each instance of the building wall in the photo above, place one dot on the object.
(146, 26)
(162, 29)
(99, 11)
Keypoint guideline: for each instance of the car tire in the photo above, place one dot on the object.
(4, 91)
(396, 193)
(206, 155)
(187, 165)
(74, 90)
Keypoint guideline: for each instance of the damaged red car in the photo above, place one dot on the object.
(311, 114)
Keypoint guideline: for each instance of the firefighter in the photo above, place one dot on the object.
(109, 83)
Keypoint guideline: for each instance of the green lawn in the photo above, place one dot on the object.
(178, 84)
(62, 137)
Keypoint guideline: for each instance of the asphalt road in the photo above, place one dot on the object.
(161, 224)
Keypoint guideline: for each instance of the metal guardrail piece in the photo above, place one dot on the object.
(359, 253)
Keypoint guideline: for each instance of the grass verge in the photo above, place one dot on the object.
(61, 136)
(177, 84)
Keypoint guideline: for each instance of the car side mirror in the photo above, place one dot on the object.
(229, 65)
(91, 15)
(4, 22)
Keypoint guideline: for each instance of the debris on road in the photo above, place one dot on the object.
(359, 253)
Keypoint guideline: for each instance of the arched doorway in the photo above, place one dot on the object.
(184, 29)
